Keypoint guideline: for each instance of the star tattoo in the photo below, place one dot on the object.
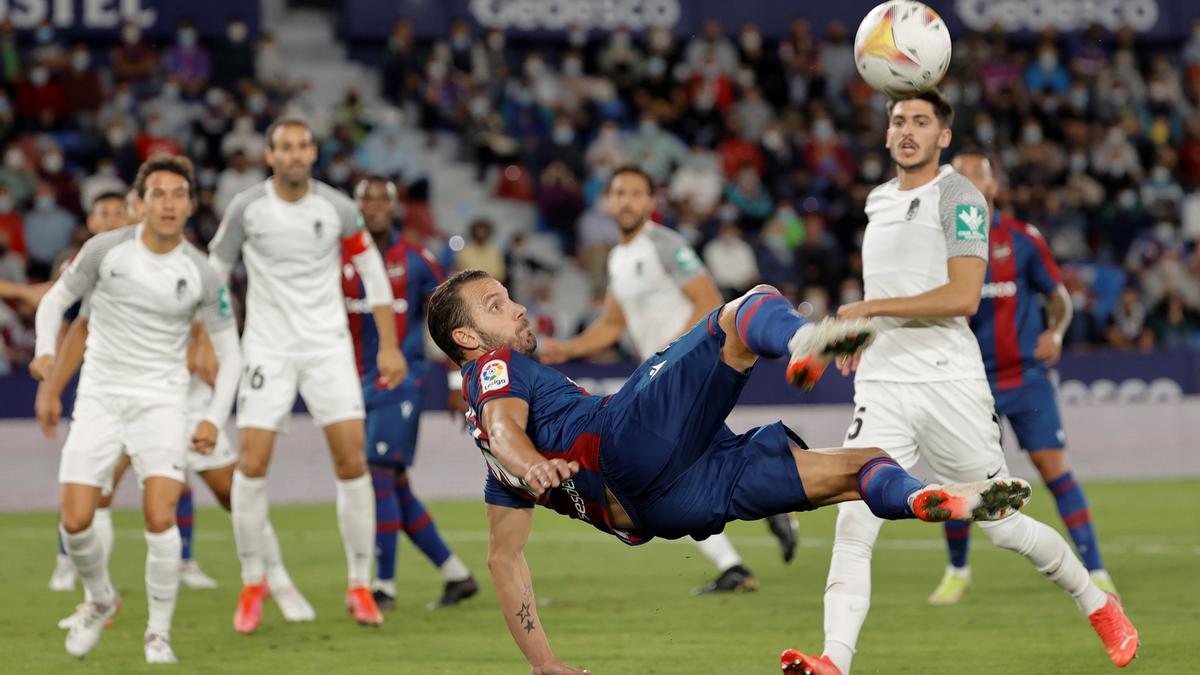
(524, 613)
(529, 626)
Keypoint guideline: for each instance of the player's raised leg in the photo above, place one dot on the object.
(356, 515)
(1072, 506)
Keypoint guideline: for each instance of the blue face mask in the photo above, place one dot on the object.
(43, 35)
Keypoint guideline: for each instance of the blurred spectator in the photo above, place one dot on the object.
(401, 63)
(390, 149)
(560, 203)
(1047, 75)
(272, 70)
(12, 226)
(188, 60)
(620, 60)
(481, 253)
(134, 62)
(711, 49)
(598, 233)
(731, 261)
(65, 185)
(81, 83)
(10, 53)
(461, 46)
(16, 176)
(1127, 325)
(12, 265)
(774, 256)
(120, 146)
(1174, 324)
(606, 151)
(244, 138)
(240, 175)
(753, 204)
(48, 231)
(655, 149)
(525, 270)
(233, 57)
(837, 59)
(47, 50)
(737, 152)
(698, 185)
(155, 138)
(40, 100)
(753, 114)
(104, 179)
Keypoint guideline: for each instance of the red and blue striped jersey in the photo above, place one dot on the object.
(565, 422)
(413, 273)
(1009, 320)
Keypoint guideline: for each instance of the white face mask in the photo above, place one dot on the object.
(52, 162)
(496, 41)
(131, 35)
(823, 129)
(572, 67)
(14, 160)
(751, 41)
(237, 33)
(39, 76)
(43, 202)
(1032, 134)
(621, 40)
(5, 204)
(80, 60)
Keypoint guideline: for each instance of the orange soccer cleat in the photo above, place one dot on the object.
(1116, 631)
(361, 604)
(797, 663)
(985, 500)
(816, 345)
(248, 614)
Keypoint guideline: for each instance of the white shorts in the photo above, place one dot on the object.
(152, 432)
(951, 425)
(328, 383)
(222, 455)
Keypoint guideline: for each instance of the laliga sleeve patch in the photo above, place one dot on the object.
(968, 223)
(224, 308)
(493, 376)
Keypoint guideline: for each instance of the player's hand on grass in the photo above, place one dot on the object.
(549, 474)
(557, 668)
(40, 367)
(393, 369)
(1049, 348)
(204, 438)
(855, 310)
(48, 408)
(552, 352)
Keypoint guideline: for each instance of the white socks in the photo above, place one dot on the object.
(102, 523)
(277, 574)
(87, 555)
(720, 551)
(249, 510)
(454, 570)
(162, 579)
(848, 587)
(1050, 554)
(356, 521)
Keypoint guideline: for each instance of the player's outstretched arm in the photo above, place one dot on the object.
(505, 420)
(957, 297)
(602, 334)
(508, 530)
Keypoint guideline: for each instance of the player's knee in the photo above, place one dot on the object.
(1051, 464)
(348, 465)
(1015, 533)
(75, 521)
(159, 520)
(253, 465)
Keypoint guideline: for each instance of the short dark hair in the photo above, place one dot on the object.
(447, 311)
(634, 169)
(942, 107)
(161, 161)
(108, 194)
(285, 122)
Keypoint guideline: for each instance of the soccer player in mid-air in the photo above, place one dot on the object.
(393, 415)
(921, 391)
(658, 288)
(291, 232)
(145, 286)
(656, 459)
(1018, 350)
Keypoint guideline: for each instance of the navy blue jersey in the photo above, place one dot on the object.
(1009, 320)
(565, 422)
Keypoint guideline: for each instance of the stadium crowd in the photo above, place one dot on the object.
(765, 150)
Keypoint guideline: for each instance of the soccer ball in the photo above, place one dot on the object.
(902, 47)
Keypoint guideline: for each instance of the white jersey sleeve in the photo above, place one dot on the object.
(964, 215)
(678, 258)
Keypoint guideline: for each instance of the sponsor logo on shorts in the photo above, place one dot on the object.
(493, 375)
(381, 448)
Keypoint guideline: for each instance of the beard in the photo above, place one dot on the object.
(524, 341)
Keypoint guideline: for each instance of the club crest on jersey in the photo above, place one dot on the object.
(180, 287)
(912, 209)
(493, 375)
(317, 229)
(968, 223)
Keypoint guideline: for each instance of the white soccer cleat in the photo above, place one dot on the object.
(816, 345)
(192, 576)
(158, 649)
(73, 618)
(64, 576)
(953, 586)
(992, 499)
(85, 632)
(292, 603)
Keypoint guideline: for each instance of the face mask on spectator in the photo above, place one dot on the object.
(170, 91)
(535, 68)
(572, 67)
(339, 172)
(5, 204)
(187, 37)
(953, 93)
(872, 170)
(14, 160)
(1164, 232)
(237, 33)
(436, 70)
(43, 35)
(123, 100)
(849, 295)
(621, 40)
(39, 76)
(81, 60)
(1119, 98)
(660, 40)
(479, 106)
(1161, 174)
(5, 106)
(214, 97)
(256, 104)
(244, 125)
(773, 140)
(131, 35)
(649, 126)
(43, 202)
(1078, 163)
(1079, 98)
(563, 135)
(52, 162)
(577, 37)
(972, 92)
(461, 42)
(1032, 134)
(206, 178)
(656, 67)
(1048, 61)
(1127, 200)
(823, 130)
(985, 133)
(155, 128)
(495, 41)
(109, 170)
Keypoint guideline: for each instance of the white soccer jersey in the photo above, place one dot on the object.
(910, 236)
(140, 313)
(646, 276)
(293, 257)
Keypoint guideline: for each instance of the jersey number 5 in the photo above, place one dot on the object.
(856, 423)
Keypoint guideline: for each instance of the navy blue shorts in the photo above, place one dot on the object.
(671, 461)
(393, 418)
(1032, 409)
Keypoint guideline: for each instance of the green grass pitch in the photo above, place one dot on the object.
(616, 609)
